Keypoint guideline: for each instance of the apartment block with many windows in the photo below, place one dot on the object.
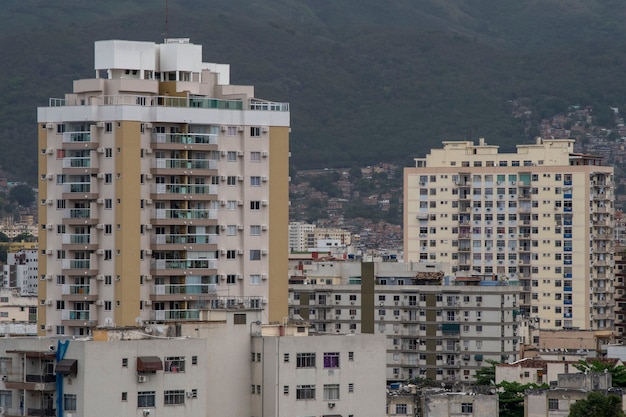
(543, 215)
(165, 193)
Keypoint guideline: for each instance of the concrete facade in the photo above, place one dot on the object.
(157, 178)
(21, 272)
(542, 216)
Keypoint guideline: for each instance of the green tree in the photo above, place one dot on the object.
(355, 173)
(487, 374)
(4, 238)
(597, 404)
(618, 373)
(24, 237)
(23, 195)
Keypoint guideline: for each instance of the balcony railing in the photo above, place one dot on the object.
(83, 162)
(185, 214)
(164, 163)
(190, 138)
(161, 264)
(184, 239)
(69, 137)
(77, 187)
(76, 263)
(184, 289)
(75, 289)
(184, 189)
(176, 314)
(76, 239)
(74, 315)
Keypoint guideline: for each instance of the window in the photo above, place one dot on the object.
(255, 279)
(146, 399)
(174, 397)
(194, 360)
(467, 408)
(255, 230)
(255, 132)
(108, 127)
(231, 180)
(305, 360)
(174, 364)
(331, 392)
(231, 156)
(124, 362)
(69, 402)
(124, 396)
(331, 359)
(305, 392)
(553, 404)
(351, 387)
(255, 156)
(255, 254)
(255, 181)
(232, 131)
(286, 357)
(231, 230)
(255, 205)
(107, 306)
(231, 254)
(231, 279)
(401, 409)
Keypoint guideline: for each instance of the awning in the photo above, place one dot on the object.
(478, 357)
(67, 367)
(149, 364)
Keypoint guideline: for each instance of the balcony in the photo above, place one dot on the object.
(79, 162)
(181, 239)
(189, 266)
(72, 137)
(79, 190)
(78, 267)
(32, 382)
(189, 214)
(173, 166)
(175, 191)
(162, 315)
(184, 138)
(193, 292)
(79, 292)
(77, 242)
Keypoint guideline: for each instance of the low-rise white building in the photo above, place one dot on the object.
(21, 271)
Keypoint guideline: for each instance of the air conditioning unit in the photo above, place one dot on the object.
(50, 226)
(264, 202)
(100, 175)
(331, 405)
(148, 201)
(239, 276)
(100, 201)
(49, 277)
(265, 154)
(49, 176)
(148, 125)
(264, 276)
(264, 179)
(148, 176)
(50, 151)
(222, 277)
(147, 302)
(239, 153)
(100, 124)
(49, 202)
(222, 227)
(49, 302)
(148, 252)
(100, 277)
(239, 227)
(100, 150)
(99, 302)
(239, 251)
(148, 151)
(239, 202)
(49, 251)
(142, 378)
(100, 251)
(240, 129)
(223, 178)
(239, 178)
(189, 394)
(49, 125)
(223, 153)
(263, 251)
(265, 129)
(149, 226)
(263, 227)
(49, 327)
(147, 277)
(100, 226)
(223, 128)
(222, 202)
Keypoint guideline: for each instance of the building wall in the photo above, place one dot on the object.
(444, 405)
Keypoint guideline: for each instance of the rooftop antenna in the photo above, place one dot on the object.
(166, 15)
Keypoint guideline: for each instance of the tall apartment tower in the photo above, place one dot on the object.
(542, 216)
(164, 193)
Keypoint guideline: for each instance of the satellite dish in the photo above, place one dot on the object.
(108, 322)
(148, 329)
(138, 320)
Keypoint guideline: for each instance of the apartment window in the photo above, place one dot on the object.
(231, 180)
(108, 203)
(232, 131)
(231, 254)
(124, 396)
(60, 305)
(351, 387)
(108, 229)
(108, 178)
(231, 205)
(255, 230)
(231, 156)
(107, 305)
(108, 127)
(331, 359)
(305, 392)
(255, 181)
(255, 205)
(108, 152)
(108, 255)
(231, 230)
(146, 399)
(467, 408)
(231, 279)
(174, 397)
(255, 156)
(305, 360)
(255, 279)
(108, 280)
(174, 364)
(331, 392)
(255, 254)
(69, 402)
(60, 329)
(401, 409)
(255, 132)
(285, 389)
(553, 404)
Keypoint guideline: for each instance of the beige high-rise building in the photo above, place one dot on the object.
(543, 215)
(164, 193)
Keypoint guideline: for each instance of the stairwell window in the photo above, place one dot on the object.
(69, 402)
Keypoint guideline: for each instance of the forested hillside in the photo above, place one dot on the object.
(367, 80)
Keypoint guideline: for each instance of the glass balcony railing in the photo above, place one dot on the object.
(76, 263)
(77, 162)
(163, 163)
(184, 239)
(184, 289)
(74, 315)
(185, 214)
(184, 189)
(84, 239)
(75, 289)
(164, 264)
(193, 138)
(77, 187)
(175, 314)
(77, 213)
(69, 137)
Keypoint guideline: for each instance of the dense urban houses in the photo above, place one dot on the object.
(436, 326)
(542, 216)
(165, 190)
